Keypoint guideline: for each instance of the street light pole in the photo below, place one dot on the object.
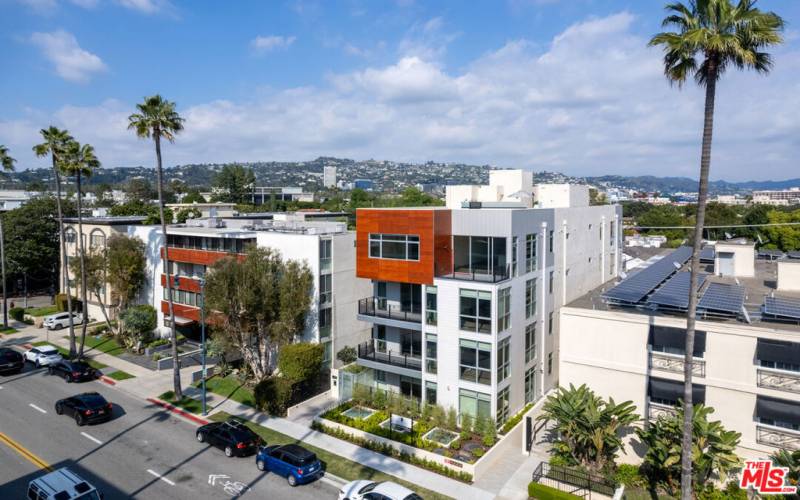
(203, 338)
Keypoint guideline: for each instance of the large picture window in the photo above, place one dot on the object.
(502, 406)
(503, 360)
(503, 309)
(474, 403)
(475, 360)
(530, 384)
(530, 298)
(530, 342)
(394, 246)
(530, 253)
(475, 311)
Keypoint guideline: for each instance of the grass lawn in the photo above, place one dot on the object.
(41, 311)
(121, 375)
(107, 345)
(188, 404)
(229, 387)
(65, 353)
(339, 466)
(8, 330)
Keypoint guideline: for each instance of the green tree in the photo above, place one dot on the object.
(709, 37)
(589, 429)
(259, 303)
(7, 164)
(104, 193)
(140, 321)
(300, 361)
(347, 355)
(80, 161)
(139, 190)
(55, 144)
(193, 196)
(187, 213)
(157, 119)
(359, 199)
(755, 214)
(235, 184)
(125, 271)
(713, 449)
(790, 460)
(786, 238)
(136, 207)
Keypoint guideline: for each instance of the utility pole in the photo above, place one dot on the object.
(3, 273)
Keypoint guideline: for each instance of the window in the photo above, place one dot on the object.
(503, 309)
(97, 240)
(326, 355)
(430, 392)
(475, 361)
(550, 241)
(550, 324)
(69, 236)
(779, 365)
(430, 353)
(431, 315)
(550, 282)
(324, 255)
(380, 293)
(394, 246)
(530, 298)
(530, 342)
(380, 338)
(530, 384)
(502, 406)
(325, 289)
(475, 311)
(380, 375)
(325, 321)
(474, 403)
(549, 363)
(513, 256)
(184, 297)
(503, 360)
(612, 235)
(530, 253)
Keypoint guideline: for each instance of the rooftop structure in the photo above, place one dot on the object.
(789, 196)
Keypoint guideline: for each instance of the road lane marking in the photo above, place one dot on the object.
(161, 477)
(90, 438)
(27, 455)
(36, 408)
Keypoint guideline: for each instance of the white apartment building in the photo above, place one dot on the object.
(465, 301)
(626, 341)
(329, 177)
(783, 197)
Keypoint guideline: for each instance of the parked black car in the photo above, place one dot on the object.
(86, 408)
(10, 361)
(73, 371)
(232, 436)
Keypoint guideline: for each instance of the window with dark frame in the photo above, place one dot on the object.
(394, 246)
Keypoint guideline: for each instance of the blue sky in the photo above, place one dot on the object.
(564, 85)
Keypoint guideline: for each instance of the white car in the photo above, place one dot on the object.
(362, 489)
(61, 320)
(44, 355)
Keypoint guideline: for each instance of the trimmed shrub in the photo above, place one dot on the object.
(542, 492)
(347, 355)
(301, 361)
(272, 395)
(452, 419)
(17, 313)
(629, 475)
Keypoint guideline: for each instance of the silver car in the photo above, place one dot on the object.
(43, 355)
(61, 320)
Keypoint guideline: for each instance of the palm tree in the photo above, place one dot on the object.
(81, 161)
(709, 37)
(7, 164)
(158, 119)
(55, 142)
(790, 460)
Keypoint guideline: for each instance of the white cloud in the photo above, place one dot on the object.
(86, 4)
(41, 6)
(145, 6)
(71, 61)
(592, 102)
(272, 42)
(427, 40)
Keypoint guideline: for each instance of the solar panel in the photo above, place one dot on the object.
(794, 255)
(782, 307)
(722, 298)
(707, 254)
(635, 288)
(769, 253)
(675, 292)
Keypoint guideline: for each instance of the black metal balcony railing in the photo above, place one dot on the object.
(366, 350)
(377, 307)
(482, 275)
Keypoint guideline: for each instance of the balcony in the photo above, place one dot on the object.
(480, 275)
(366, 350)
(656, 410)
(674, 363)
(377, 307)
(779, 380)
(779, 438)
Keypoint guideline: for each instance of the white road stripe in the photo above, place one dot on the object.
(161, 477)
(36, 408)
(91, 438)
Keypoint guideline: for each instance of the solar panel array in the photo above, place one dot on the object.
(635, 288)
(722, 298)
(782, 307)
(707, 254)
(768, 253)
(675, 292)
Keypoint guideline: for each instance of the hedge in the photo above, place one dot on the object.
(301, 361)
(272, 395)
(17, 313)
(542, 492)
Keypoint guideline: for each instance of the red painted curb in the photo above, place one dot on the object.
(108, 380)
(178, 411)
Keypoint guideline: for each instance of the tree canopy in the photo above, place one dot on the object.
(235, 184)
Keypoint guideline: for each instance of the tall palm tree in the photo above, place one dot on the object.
(7, 164)
(80, 161)
(157, 119)
(709, 37)
(55, 142)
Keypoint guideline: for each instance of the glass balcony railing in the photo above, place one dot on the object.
(377, 307)
(367, 351)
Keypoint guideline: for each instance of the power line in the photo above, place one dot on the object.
(772, 224)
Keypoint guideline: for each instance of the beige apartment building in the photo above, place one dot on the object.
(626, 340)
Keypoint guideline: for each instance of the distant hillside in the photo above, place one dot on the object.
(685, 184)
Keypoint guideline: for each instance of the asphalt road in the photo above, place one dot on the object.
(144, 452)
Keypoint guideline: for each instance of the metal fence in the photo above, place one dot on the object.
(574, 481)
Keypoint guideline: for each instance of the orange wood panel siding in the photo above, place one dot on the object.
(414, 222)
(186, 284)
(192, 256)
(181, 310)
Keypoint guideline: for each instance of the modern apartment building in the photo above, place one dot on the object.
(626, 341)
(464, 301)
(326, 247)
(789, 196)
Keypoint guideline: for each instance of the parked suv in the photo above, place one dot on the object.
(86, 408)
(73, 371)
(295, 463)
(43, 355)
(61, 320)
(232, 436)
(10, 361)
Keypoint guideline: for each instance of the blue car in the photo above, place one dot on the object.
(295, 463)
